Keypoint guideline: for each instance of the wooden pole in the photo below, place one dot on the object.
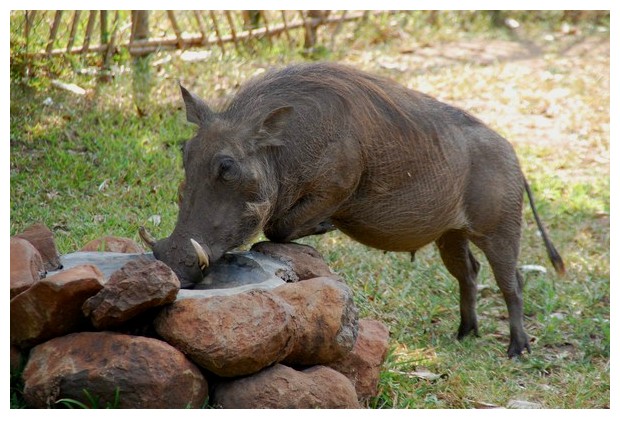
(54, 31)
(338, 28)
(201, 24)
(233, 33)
(175, 27)
(89, 30)
(110, 45)
(74, 25)
(285, 25)
(139, 26)
(306, 26)
(217, 31)
(316, 18)
(103, 26)
(30, 14)
(266, 23)
(142, 81)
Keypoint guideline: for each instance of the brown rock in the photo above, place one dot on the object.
(524, 405)
(304, 260)
(148, 373)
(16, 359)
(363, 365)
(282, 387)
(229, 335)
(41, 237)
(138, 286)
(112, 244)
(26, 265)
(325, 317)
(53, 306)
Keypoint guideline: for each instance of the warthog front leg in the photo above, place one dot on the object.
(461, 263)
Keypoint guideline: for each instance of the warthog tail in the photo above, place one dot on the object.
(553, 254)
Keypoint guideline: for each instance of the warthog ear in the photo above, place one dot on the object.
(273, 125)
(197, 110)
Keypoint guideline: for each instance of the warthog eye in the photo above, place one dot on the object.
(228, 169)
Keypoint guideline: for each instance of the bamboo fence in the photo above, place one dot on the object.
(51, 33)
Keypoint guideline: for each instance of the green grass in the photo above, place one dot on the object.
(96, 165)
(91, 401)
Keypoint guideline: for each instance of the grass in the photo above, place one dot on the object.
(97, 165)
(92, 401)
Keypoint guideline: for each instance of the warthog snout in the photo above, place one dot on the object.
(189, 262)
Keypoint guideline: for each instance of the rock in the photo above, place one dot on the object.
(138, 286)
(16, 359)
(282, 387)
(230, 335)
(305, 261)
(325, 318)
(110, 243)
(53, 306)
(363, 364)
(525, 405)
(41, 237)
(247, 270)
(424, 374)
(71, 87)
(148, 373)
(26, 265)
(481, 405)
(233, 270)
(107, 262)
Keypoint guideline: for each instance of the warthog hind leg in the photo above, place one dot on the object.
(502, 251)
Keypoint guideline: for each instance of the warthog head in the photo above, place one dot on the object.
(229, 187)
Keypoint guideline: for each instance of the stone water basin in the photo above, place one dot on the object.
(235, 272)
(253, 310)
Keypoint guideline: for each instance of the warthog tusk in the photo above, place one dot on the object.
(203, 258)
(146, 237)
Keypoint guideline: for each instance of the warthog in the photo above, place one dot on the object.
(304, 149)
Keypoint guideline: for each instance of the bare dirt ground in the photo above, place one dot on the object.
(552, 93)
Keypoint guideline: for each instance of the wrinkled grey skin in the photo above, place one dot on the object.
(304, 149)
